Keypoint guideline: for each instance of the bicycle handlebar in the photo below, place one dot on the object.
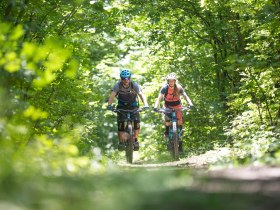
(170, 110)
(129, 110)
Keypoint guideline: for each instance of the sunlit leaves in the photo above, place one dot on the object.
(17, 33)
(44, 61)
(44, 142)
(11, 62)
(29, 51)
(72, 69)
(17, 133)
(8, 34)
(9, 59)
(34, 113)
(250, 136)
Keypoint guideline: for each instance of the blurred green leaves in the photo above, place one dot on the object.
(43, 61)
(31, 138)
(10, 62)
(58, 63)
(34, 113)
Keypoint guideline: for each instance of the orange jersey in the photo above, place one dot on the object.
(170, 98)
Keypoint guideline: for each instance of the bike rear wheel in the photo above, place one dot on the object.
(129, 145)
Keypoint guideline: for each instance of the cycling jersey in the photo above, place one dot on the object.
(127, 97)
(170, 98)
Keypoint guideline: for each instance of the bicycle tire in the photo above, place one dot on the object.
(129, 145)
(175, 146)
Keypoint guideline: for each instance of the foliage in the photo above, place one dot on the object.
(59, 60)
(162, 189)
(224, 58)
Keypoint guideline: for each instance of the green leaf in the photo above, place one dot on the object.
(12, 62)
(17, 32)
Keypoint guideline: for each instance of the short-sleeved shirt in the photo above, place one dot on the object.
(170, 98)
(127, 96)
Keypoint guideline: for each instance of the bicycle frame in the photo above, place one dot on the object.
(174, 131)
(130, 131)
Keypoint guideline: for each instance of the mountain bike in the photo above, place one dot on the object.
(129, 143)
(174, 136)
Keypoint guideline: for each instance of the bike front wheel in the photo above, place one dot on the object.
(175, 146)
(129, 146)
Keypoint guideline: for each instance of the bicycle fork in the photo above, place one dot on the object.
(174, 128)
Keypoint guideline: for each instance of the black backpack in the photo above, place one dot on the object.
(132, 88)
(131, 84)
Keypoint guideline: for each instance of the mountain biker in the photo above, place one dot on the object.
(171, 94)
(127, 92)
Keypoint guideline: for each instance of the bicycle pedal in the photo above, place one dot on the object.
(136, 146)
(121, 146)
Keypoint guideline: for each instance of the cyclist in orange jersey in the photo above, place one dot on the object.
(171, 94)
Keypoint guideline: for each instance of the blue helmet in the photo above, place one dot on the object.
(125, 74)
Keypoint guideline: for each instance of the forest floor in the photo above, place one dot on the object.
(193, 182)
(209, 185)
(243, 179)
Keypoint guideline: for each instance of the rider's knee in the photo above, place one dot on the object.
(123, 136)
(167, 123)
(121, 126)
(136, 125)
(180, 122)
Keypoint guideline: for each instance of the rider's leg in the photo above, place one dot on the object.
(136, 126)
(179, 116)
(136, 133)
(167, 125)
(122, 126)
(166, 133)
(122, 135)
(180, 125)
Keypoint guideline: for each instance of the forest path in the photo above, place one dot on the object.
(211, 178)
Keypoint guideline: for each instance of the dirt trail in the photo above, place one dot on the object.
(198, 161)
(247, 179)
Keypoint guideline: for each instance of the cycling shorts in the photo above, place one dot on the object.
(179, 115)
(122, 125)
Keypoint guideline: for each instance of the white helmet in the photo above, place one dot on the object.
(171, 76)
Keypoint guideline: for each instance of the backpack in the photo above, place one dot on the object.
(122, 103)
(131, 84)
(169, 103)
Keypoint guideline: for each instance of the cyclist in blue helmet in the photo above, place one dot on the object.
(127, 92)
(125, 74)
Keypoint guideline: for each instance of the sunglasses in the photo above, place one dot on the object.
(125, 78)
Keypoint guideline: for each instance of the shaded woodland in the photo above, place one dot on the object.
(59, 60)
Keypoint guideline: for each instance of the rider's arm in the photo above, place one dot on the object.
(111, 98)
(160, 97)
(143, 98)
(186, 97)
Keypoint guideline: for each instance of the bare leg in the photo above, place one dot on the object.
(136, 133)
(123, 136)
